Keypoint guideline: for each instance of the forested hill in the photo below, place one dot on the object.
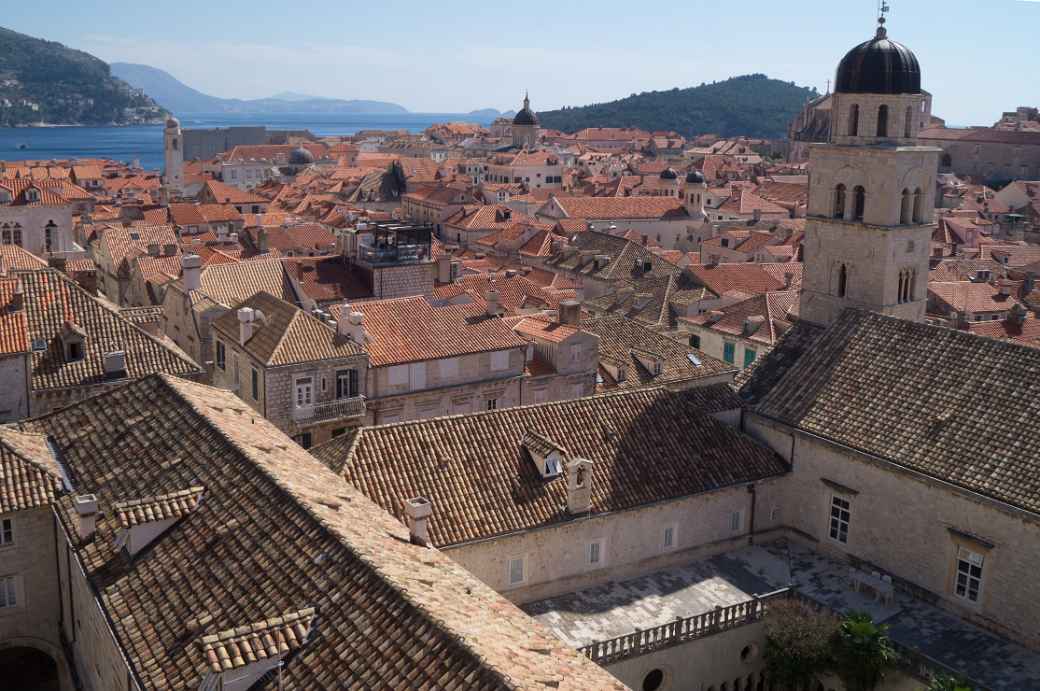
(752, 105)
(45, 82)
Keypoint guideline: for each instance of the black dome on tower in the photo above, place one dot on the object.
(526, 116)
(879, 66)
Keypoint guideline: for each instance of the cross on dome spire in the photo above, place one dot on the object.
(883, 9)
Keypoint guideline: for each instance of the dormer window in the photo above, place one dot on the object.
(73, 339)
(143, 520)
(32, 194)
(237, 658)
(547, 456)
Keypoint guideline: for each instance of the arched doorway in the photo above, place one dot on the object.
(29, 669)
(33, 665)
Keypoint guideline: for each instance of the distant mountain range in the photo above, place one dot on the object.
(181, 98)
(491, 114)
(752, 105)
(42, 82)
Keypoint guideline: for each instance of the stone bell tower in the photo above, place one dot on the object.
(871, 191)
(173, 149)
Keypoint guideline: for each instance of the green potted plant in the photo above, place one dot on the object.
(862, 652)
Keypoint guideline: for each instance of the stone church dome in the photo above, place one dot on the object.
(879, 66)
(669, 174)
(694, 177)
(526, 116)
(300, 157)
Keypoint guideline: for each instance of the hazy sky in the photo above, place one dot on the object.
(978, 58)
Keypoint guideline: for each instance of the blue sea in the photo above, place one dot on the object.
(144, 143)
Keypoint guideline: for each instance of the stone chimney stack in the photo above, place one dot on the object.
(18, 297)
(579, 486)
(86, 507)
(493, 306)
(191, 271)
(570, 313)
(418, 510)
(115, 363)
(444, 269)
(246, 324)
(351, 324)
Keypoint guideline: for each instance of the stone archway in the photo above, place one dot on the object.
(34, 665)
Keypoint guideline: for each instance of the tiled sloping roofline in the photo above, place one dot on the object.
(950, 405)
(278, 531)
(163, 507)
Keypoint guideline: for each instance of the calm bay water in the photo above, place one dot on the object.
(144, 143)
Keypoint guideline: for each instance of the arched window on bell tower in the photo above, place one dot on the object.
(882, 121)
(843, 281)
(854, 120)
(918, 206)
(839, 201)
(908, 126)
(905, 208)
(860, 203)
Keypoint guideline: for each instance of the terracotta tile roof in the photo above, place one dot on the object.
(1025, 332)
(30, 476)
(411, 330)
(51, 301)
(286, 334)
(970, 398)
(14, 324)
(156, 217)
(306, 236)
(516, 293)
(222, 193)
(645, 445)
(544, 329)
(749, 279)
(231, 283)
(619, 336)
(162, 507)
(13, 257)
(756, 381)
(269, 639)
(621, 208)
(970, 297)
(392, 615)
(122, 243)
(624, 259)
(327, 279)
(777, 312)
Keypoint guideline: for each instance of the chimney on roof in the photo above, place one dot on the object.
(418, 511)
(57, 263)
(788, 279)
(233, 238)
(115, 364)
(753, 324)
(191, 271)
(246, 324)
(261, 240)
(86, 507)
(18, 297)
(579, 486)
(493, 306)
(715, 315)
(351, 324)
(1017, 315)
(153, 249)
(1004, 289)
(644, 239)
(444, 269)
(570, 312)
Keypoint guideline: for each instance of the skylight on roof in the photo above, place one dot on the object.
(39, 345)
(696, 361)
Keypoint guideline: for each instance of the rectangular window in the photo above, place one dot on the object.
(729, 352)
(8, 594)
(305, 440)
(595, 553)
(492, 403)
(234, 370)
(969, 574)
(304, 392)
(749, 356)
(6, 532)
(736, 521)
(499, 360)
(221, 356)
(841, 514)
(347, 383)
(669, 537)
(255, 384)
(516, 571)
(695, 341)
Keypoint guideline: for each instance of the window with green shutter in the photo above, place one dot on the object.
(729, 352)
(749, 356)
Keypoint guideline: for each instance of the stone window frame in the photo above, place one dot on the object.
(736, 521)
(963, 541)
(11, 584)
(596, 547)
(7, 532)
(665, 544)
(524, 574)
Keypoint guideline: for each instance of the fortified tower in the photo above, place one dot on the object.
(871, 190)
